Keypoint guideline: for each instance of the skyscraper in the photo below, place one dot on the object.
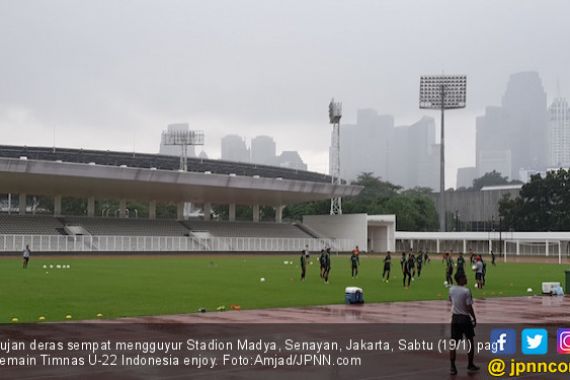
(263, 150)
(234, 149)
(514, 137)
(559, 133)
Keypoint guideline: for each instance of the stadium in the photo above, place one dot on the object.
(189, 269)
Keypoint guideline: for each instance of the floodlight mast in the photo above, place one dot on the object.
(442, 92)
(335, 113)
(184, 139)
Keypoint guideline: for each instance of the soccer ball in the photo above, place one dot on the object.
(476, 285)
(474, 267)
(529, 290)
(445, 283)
(262, 279)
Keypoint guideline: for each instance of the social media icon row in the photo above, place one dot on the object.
(533, 341)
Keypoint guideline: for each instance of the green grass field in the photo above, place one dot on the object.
(136, 286)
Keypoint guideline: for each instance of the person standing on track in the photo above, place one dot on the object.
(463, 320)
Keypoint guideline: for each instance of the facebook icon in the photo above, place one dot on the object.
(503, 341)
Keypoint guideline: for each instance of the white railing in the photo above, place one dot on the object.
(89, 243)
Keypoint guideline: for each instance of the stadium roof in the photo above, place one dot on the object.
(49, 177)
(146, 160)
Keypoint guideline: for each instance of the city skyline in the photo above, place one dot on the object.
(113, 75)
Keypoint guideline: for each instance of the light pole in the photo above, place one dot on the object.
(442, 92)
(335, 113)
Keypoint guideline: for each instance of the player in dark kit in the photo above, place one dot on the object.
(322, 263)
(408, 270)
(493, 258)
(354, 261)
(303, 265)
(460, 264)
(419, 263)
(387, 267)
(327, 262)
(402, 261)
(448, 269)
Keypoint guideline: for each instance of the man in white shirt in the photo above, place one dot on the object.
(26, 255)
(463, 320)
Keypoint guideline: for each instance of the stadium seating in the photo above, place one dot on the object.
(30, 225)
(129, 227)
(247, 229)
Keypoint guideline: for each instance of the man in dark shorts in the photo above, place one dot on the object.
(493, 258)
(408, 270)
(354, 261)
(448, 269)
(327, 262)
(387, 267)
(419, 263)
(403, 261)
(460, 264)
(463, 320)
(322, 263)
(303, 265)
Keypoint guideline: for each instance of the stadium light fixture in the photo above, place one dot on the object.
(442, 92)
(183, 139)
(335, 114)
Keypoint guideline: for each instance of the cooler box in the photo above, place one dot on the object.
(353, 295)
(548, 287)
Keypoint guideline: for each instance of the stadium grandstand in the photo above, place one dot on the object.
(93, 175)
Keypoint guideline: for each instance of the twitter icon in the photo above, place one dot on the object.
(534, 341)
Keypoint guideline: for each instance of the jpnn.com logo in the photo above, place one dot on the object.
(534, 341)
(504, 341)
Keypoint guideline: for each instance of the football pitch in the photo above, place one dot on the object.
(116, 287)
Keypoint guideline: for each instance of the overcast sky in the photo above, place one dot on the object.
(112, 74)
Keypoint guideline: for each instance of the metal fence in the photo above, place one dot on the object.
(89, 243)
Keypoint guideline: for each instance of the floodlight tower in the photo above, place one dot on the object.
(443, 92)
(335, 113)
(184, 139)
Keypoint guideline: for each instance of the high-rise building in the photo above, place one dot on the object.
(465, 176)
(559, 133)
(174, 150)
(263, 150)
(406, 156)
(514, 137)
(234, 149)
(291, 159)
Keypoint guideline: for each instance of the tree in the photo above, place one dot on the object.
(541, 205)
(414, 208)
(493, 178)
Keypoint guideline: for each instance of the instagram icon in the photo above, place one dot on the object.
(563, 341)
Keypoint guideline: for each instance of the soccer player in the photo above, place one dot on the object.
(479, 272)
(306, 253)
(403, 261)
(460, 264)
(303, 265)
(387, 267)
(426, 257)
(419, 263)
(463, 320)
(26, 255)
(327, 265)
(493, 258)
(322, 263)
(355, 262)
(448, 268)
(408, 269)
